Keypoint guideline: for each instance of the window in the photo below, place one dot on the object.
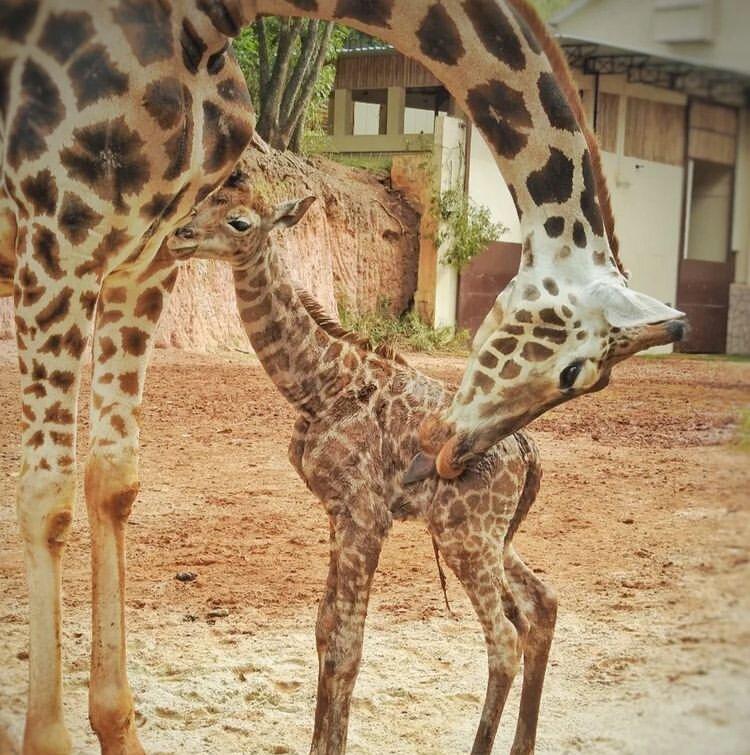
(370, 111)
(422, 107)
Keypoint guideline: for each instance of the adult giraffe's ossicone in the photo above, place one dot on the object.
(116, 116)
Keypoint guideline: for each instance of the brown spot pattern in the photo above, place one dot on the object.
(372, 12)
(134, 340)
(500, 112)
(551, 317)
(495, 32)
(149, 304)
(94, 76)
(129, 383)
(46, 251)
(64, 33)
(439, 37)
(40, 111)
(554, 181)
(76, 218)
(41, 191)
(56, 310)
(147, 28)
(551, 334)
(510, 370)
(535, 352)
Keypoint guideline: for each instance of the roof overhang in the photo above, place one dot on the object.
(690, 77)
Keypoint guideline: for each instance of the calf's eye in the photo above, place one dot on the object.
(239, 224)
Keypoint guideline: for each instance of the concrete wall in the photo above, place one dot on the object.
(640, 25)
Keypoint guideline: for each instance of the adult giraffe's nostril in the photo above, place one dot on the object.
(678, 329)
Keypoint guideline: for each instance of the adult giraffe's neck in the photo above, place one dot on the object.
(307, 362)
(496, 59)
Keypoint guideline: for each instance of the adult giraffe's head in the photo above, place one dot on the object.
(551, 336)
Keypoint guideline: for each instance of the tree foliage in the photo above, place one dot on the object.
(289, 66)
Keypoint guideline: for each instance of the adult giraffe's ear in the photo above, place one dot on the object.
(288, 214)
(625, 308)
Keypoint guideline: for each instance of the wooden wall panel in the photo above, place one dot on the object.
(381, 70)
(713, 133)
(483, 279)
(717, 118)
(712, 147)
(655, 131)
(607, 110)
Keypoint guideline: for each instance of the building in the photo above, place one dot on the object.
(666, 84)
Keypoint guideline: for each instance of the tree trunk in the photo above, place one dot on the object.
(271, 95)
(293, 126)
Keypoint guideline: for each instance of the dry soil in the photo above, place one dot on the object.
(641, 525)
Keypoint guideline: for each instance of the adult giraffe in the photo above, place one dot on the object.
(116, 117)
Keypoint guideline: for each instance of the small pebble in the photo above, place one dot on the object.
(217, 613)
(186, 576)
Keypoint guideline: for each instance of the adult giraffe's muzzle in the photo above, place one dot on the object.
(439, 445)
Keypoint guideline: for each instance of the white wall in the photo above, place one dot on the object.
(647, 202)
(487, 187)
(366, 118)
(417, 121)
(450, 147)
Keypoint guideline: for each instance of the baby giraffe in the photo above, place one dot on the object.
(359, 412)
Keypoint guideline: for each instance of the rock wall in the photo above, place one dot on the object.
(359, 244)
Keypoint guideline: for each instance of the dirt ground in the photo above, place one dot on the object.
(642, 525)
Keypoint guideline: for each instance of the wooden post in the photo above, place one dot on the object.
(396, 110)
(343, 113)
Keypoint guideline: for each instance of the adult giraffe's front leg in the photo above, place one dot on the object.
(128, 313)
(53, 310)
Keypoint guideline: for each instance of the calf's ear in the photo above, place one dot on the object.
(288, 214)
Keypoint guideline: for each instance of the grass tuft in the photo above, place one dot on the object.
(407, 332)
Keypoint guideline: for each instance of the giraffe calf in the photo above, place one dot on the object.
(358, 416)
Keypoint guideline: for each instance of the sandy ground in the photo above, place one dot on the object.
(642, 526)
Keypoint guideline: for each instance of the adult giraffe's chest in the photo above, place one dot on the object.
(133, 111)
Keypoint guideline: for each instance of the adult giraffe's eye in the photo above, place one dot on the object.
(239, 224)
(569, 375)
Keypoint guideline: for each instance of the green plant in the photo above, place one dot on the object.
(407, 332)
(466, 228)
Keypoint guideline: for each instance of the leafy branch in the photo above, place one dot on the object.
(466, 228)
